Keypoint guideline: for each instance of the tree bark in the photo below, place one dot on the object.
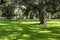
(42, 13)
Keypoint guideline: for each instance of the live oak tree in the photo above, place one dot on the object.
(52, 6)
(40, 8)
(8, 9)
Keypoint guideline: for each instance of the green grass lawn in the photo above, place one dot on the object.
(29, 30)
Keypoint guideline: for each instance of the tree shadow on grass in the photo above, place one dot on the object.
(15, 34)
(29, 32)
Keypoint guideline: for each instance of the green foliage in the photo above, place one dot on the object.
(52, 6)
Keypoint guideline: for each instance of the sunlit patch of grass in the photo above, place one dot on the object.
(14, 22)
(13, 36)
(4, 38)
(44, 31)
(26, 35)
(20, 39)
(7, 29)
(51, 39)
(34, 28)
(18, 28)
(39, 31)
(3, 24)
(53, 24)
(56, 34)
(28, 22)
(48, 39)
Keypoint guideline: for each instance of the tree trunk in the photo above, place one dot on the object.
(58, 16)
(1, 1)
(42, 13)
(49, 16)
(30, 15)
